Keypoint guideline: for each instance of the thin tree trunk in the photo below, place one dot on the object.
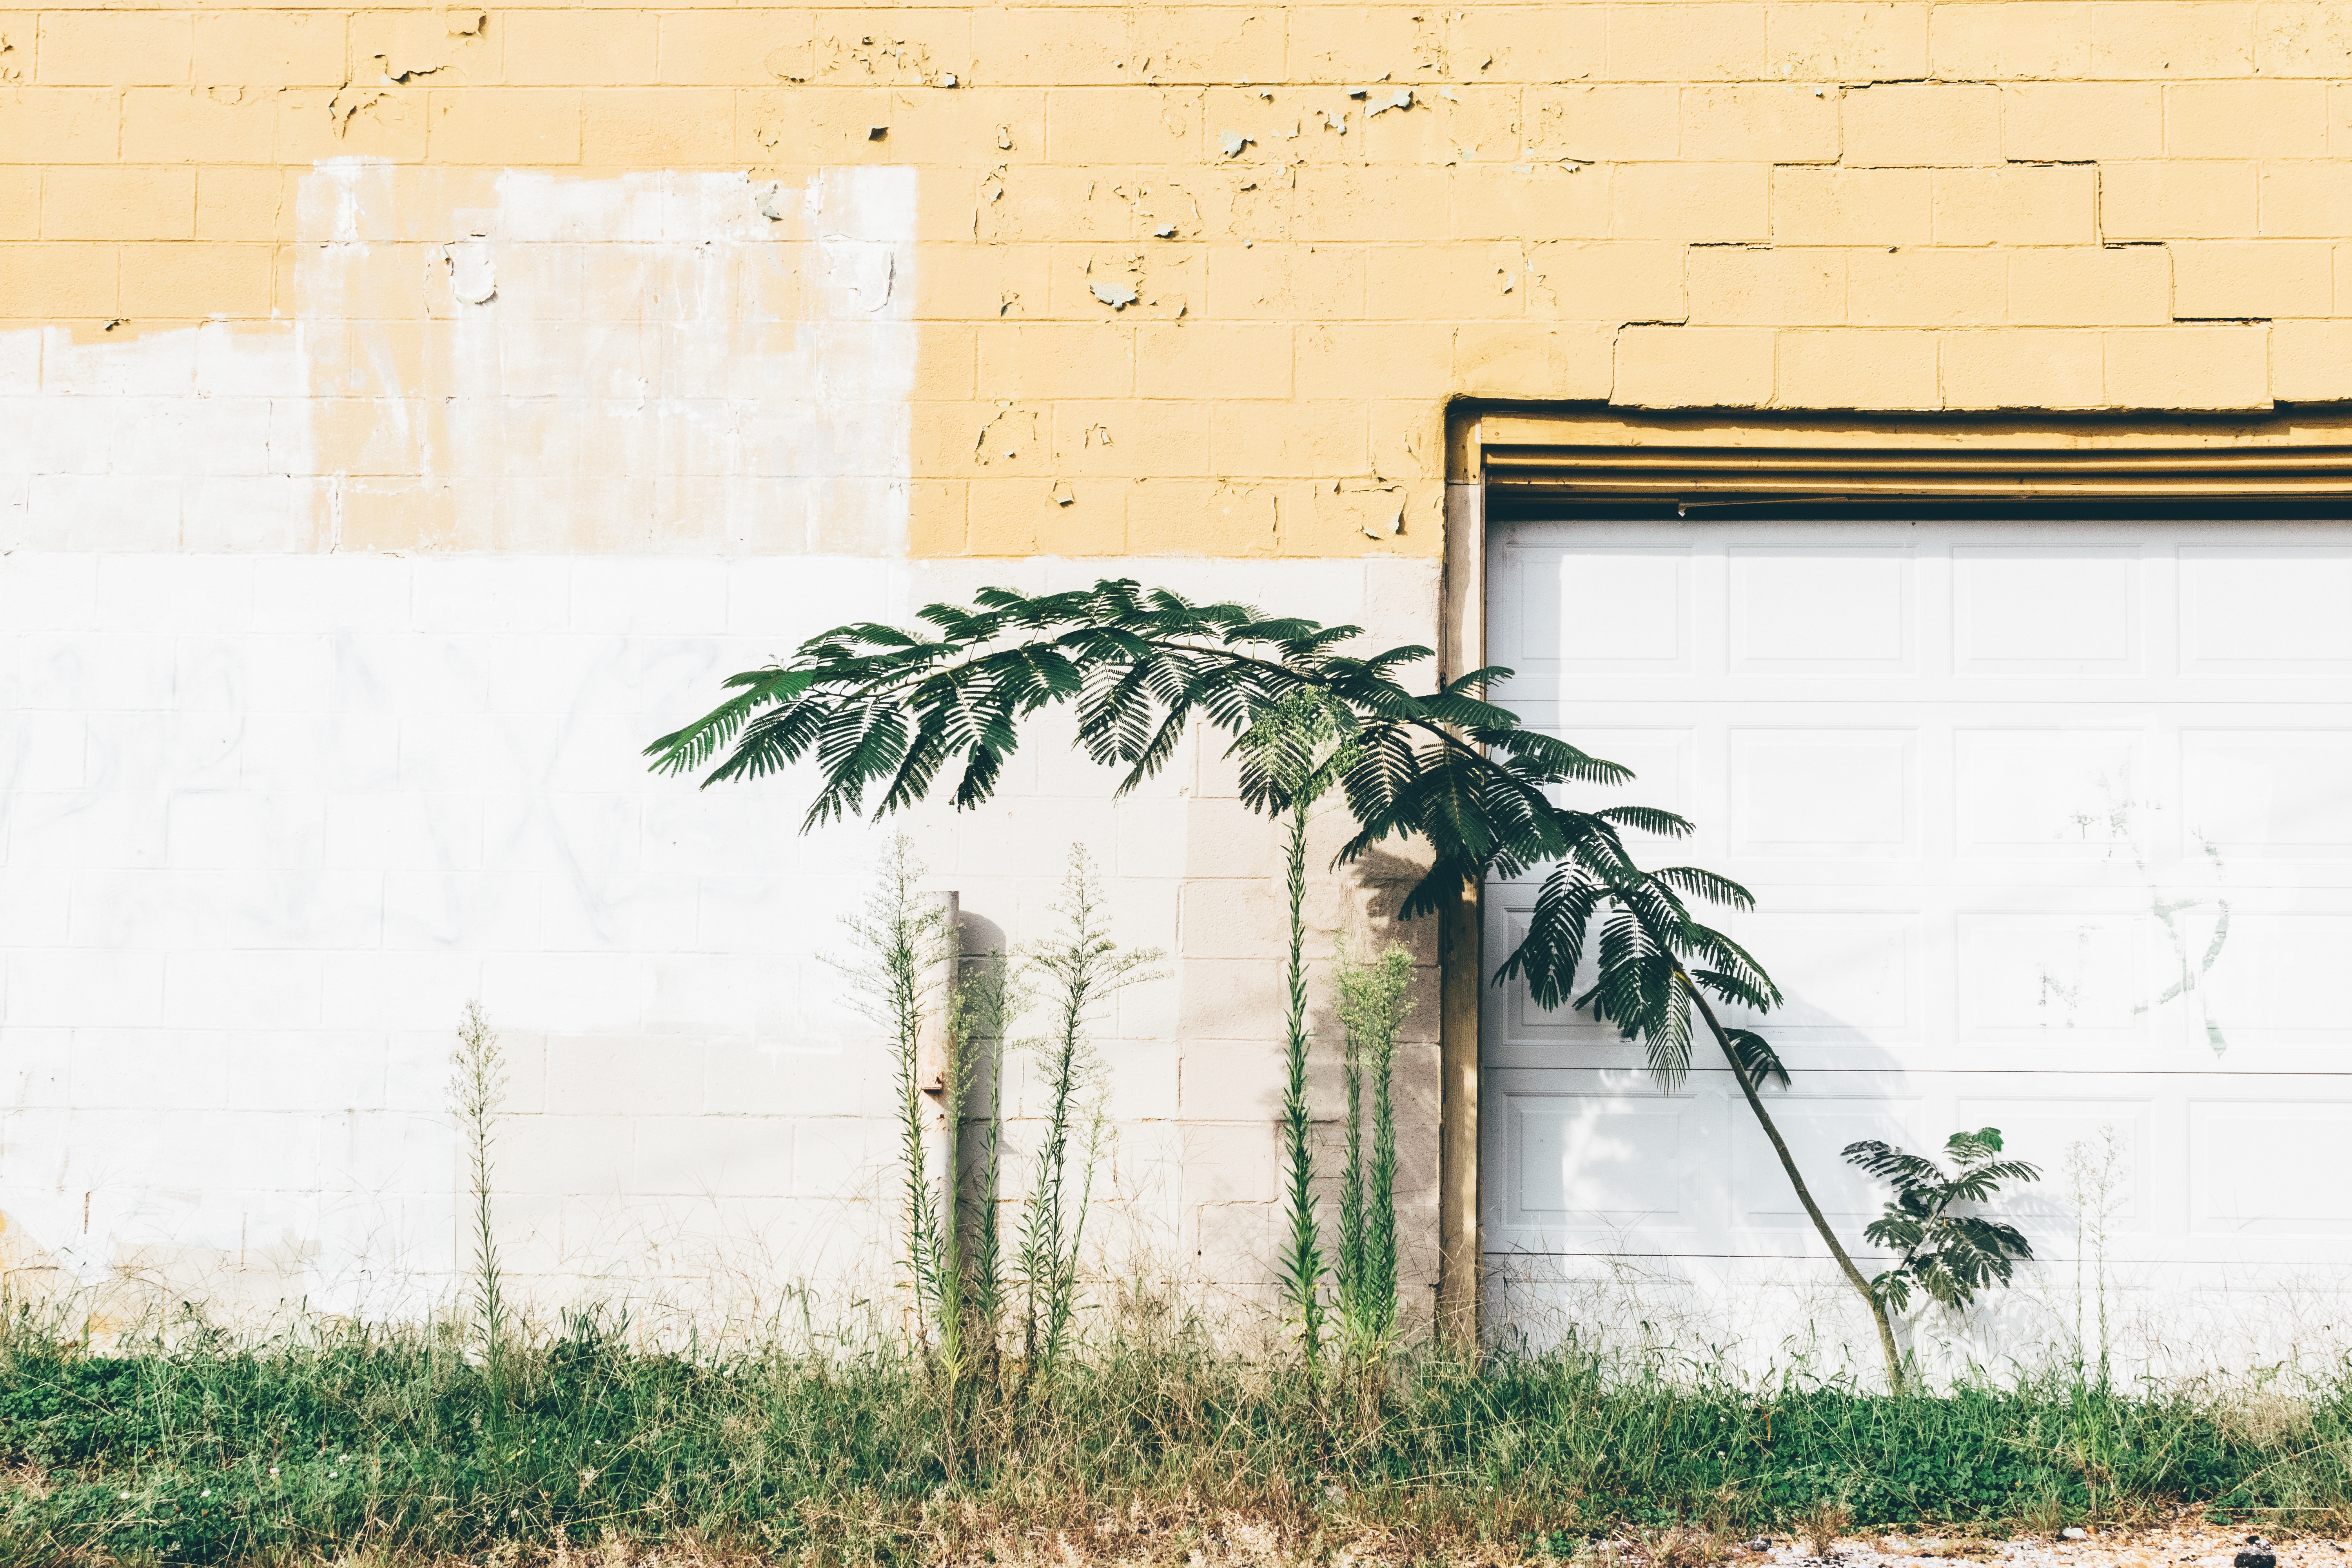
(1805, 1196)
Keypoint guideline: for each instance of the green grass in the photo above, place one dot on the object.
(217, 1452)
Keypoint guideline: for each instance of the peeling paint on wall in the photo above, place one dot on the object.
(509, 361)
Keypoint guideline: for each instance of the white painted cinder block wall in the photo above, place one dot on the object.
(277, 804)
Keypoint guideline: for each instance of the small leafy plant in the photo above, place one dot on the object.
(1946, 1254)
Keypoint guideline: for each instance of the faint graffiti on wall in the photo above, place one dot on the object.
(2192, 907)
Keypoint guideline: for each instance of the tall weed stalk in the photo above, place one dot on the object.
(477, 1089)
(1297, 741)
(1373, 1003)
(1079, 968)
(988, 1002)
(901, 941)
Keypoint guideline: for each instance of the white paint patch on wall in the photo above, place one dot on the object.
(271, 822)
(268, 822)
(509, 361)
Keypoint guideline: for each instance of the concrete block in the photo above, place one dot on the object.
(501, 127)
(1228, 999)
(1942, 123)
(2140, 39)
(241, 829)
(1222, 1080)
(112, 49)
(1694, 202)
(1694, 367)
(1158, 122)
(2031, 205)
(398, 990)
(1286, 282)
(1851, 206)
(566, 1155)
(1393, 360)
(2076, 286)
(713, 1156)
(1199, 44)
(2154, 201)
(302, 1071)
(1755, 286)
(150, 1069)
(1676, 43)
(1537, 201)
(1853, 369)
(2076, 121)
(386, 123)
(1774, 123)
(1306, 440)
(1224, 1164)
(60, 281)
(1619, 281)
(1236, 919)
(295, 752)
(63, 124)
(2281, 119)
(1470, 281)
(545, 991)
(732, 48)
(116, 203)
(2237, 279)
(1356, 44)
(2188, 367)
(1505, 359)
(1067, 45)
(2311, 362)
(2304, 199)
(1838, 42)
(1927, 287)
(1202, 359)
(2009, 43)
(1498, 44)
(270, 48)
(658, 127)
(843, 1161)
(242, 990)
(1612, 123)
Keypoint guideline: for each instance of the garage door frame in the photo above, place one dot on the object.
(1513, 458)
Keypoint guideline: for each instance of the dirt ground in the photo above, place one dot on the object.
(2210, 1546)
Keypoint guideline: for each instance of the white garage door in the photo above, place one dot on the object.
(2050, 826)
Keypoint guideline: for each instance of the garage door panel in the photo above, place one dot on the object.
(1588, 1159)
(2270, 1168)
(1821, 609)
(2071, 608)
(2066, 793)
(2093, 1154)
(1812, 794)
(1818, 1127)
(2050, 828)
(2038, 974)
(1597, 611)
(1859, 968)
(2274, 793)
(2251, 609)
(2270, 981)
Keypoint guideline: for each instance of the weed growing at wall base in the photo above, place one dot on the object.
(330, 1441)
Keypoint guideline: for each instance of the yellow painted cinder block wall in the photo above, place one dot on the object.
(1201, 279)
